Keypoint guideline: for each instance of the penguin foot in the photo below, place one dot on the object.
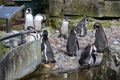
(44, 61)
(53, 61)
(89, 66)
(81, 35)
(51, 66)
(72, 55)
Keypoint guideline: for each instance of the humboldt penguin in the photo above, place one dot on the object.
(47, 52)
(88, 55)
(39, 21)
(81, 27)
(33, 35)
(100, 37)
(72, 43)
(28, 18)
(64, 27)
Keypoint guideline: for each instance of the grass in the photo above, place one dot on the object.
(74, 20)
(3, 49)
(2, 21)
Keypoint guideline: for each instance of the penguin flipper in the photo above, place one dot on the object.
(42, 47)
(59, 35)
(77, 44)
(94, 57)
(106, 41)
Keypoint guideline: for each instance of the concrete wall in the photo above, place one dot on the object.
(20, 61)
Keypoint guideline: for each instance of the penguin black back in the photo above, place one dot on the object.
(100, 37)
(47, 52)
(88, 52)
(81, 27)
(72, 43)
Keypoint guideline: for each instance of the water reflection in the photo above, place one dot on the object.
(87, 74)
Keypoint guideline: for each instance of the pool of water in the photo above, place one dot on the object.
(87, 74)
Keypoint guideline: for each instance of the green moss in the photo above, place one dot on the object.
(3, 50)
(2, 21)
(55, 22)
(105, 24)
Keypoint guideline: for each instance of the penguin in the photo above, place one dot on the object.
(46, 50)
(28, 18)
(101, 41)
(72, 44)
(33, 35)
(39, 21)
(81, 27)
(88, 55)
(64, 27)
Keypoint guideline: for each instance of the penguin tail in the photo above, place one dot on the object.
(81, 62)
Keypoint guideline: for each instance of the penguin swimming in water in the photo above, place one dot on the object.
(28, 18)
(81, 27)
(47, 53)
(101, 41)
(64, 27)
(72, 43)
(88, 55)
(39, 21)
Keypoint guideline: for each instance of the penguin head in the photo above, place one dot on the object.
(44, 18)
(31, 29)
(45, 34)
(97, 26)
(66, 18)
(28, 10)
(86, 20)
(73, 31)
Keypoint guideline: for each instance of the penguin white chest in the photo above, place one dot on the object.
(37, 22)
(64, 28)
(29, 20)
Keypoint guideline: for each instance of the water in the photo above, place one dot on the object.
(87, 74)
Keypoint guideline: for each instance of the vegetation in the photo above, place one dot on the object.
(3, 49)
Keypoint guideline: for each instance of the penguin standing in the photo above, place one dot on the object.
(39, 20)
(88, 55)
(72, 43)
(100, 38)
(28, 18)
(64, 27)
(81, 27)
(47, 52)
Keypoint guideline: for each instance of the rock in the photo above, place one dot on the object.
(99, 8)
(20, 61)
